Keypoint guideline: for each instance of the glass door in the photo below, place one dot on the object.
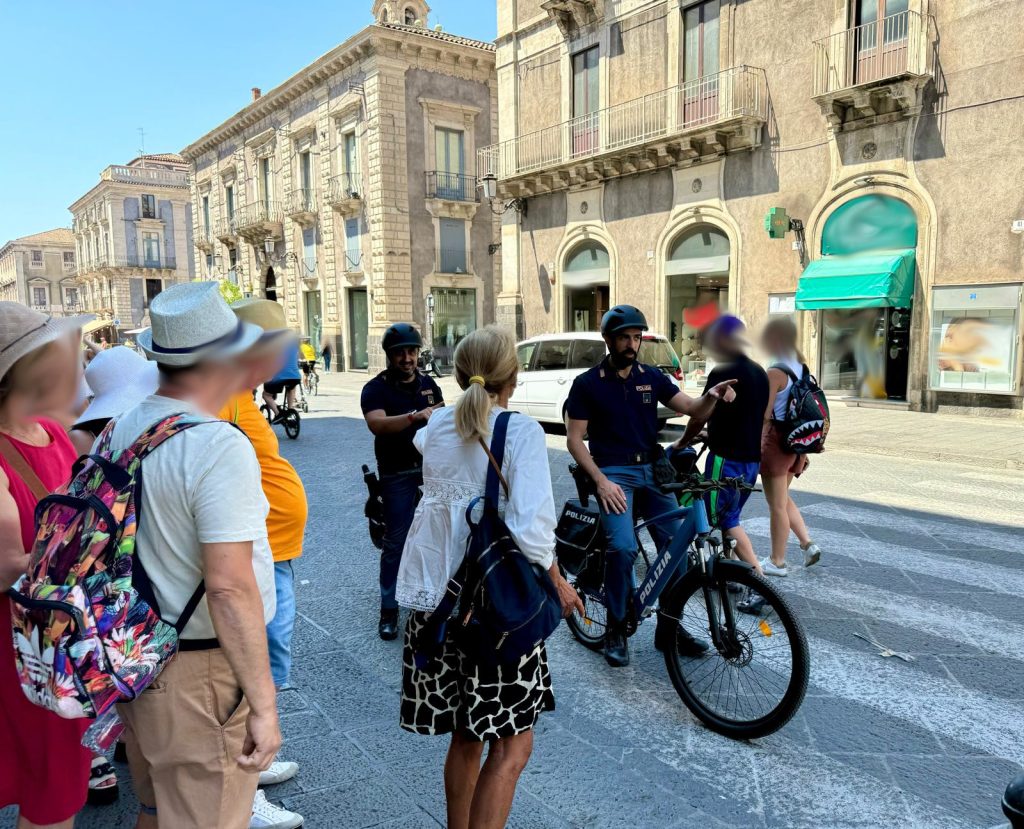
(358, 327)
(879, 39)
(450, 164)
(586, 137)
(699, 99)
(454, 318)
(314, 317)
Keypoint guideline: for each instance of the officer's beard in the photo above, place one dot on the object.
(623, 359)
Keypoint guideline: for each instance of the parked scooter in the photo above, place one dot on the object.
(428, 363)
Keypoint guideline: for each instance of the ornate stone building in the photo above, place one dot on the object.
(39, 271)
(644, 146)
(133, 238)
(348, 192)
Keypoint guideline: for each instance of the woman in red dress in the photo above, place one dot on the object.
(44, 769)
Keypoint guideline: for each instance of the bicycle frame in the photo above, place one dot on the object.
(695, 529)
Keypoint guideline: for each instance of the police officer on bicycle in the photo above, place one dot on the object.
(396, 403)
(615, 404)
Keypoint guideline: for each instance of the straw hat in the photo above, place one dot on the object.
(192, 323)
(118, 379)
(265, 313)
(23, 330)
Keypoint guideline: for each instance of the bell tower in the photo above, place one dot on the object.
(406, 12)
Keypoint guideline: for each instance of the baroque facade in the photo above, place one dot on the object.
(852, 162)
(133, 238)
(348, 192)
(39, 271)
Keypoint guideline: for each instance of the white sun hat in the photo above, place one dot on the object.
(191, 323)
(23, 330)
(118, 378)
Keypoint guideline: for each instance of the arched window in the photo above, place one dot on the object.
(586, 265)
(410, 16)
(873, 222)
(384, 15)
(704, 250)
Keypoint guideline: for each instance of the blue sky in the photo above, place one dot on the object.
(78, 79)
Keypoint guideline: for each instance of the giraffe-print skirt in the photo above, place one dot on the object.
(456, 694)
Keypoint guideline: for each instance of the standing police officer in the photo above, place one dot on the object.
(396, 403)
(616, 405)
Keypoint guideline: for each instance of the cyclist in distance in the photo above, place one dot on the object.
(286, 380)
(396, 403)
(307, 357)
(615, 404)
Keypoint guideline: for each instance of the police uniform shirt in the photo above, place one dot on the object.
(395, 452)
(621, 414)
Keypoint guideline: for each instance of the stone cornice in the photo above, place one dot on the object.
(464, 58)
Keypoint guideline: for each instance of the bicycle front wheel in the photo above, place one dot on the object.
(751, 681)
(292, 423)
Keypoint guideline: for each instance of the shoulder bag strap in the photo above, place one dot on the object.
(18, 463)
(496, 454)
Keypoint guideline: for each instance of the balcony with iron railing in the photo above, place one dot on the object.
(344, 194)
(203, 239)
(301, 206)
(710, 116)
(447, 186)
(878, 68)
(259, 220)
(140, 261)
(226, 232)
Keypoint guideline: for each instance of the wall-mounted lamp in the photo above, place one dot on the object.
(269, 245)
(489, 183)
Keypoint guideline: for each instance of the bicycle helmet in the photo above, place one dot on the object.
(622, 317)
(401, 335)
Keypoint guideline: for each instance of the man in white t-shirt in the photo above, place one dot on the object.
(198, 736)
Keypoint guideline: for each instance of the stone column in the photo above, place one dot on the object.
(387, 201)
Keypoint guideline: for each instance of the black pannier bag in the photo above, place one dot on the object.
(578, 538)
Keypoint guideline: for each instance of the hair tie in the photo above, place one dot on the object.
(476, 378)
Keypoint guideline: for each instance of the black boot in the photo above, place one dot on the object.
(669, 631)
(616, 648)
(388, 628)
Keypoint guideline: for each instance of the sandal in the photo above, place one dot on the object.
(103, 788)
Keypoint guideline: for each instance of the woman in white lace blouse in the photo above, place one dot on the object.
(475, 704)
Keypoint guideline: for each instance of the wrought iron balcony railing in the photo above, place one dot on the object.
(732, 94)
(888, 48)
(451, 186)
(258, 215)
(344, 188)
(301, 202)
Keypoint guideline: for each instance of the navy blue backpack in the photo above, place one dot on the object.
(507, 604)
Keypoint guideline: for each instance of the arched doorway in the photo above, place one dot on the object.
(697, 275)
(270, 285)
(585, 279)
(863, 286)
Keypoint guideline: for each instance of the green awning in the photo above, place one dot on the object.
(879, 279)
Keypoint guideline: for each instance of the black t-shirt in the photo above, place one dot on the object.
(621, 414)
(734, 430)
(395, 452)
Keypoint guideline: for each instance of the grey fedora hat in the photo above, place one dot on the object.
(23, 330)
(191, 323)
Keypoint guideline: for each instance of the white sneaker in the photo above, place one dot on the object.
(279, 771)
(812, 554)
(772, 569)
(265, 815)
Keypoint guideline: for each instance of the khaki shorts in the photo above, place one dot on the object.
(183, 735)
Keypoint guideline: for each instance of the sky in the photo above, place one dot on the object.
(78, 79)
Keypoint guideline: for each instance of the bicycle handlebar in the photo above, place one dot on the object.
(690, 483)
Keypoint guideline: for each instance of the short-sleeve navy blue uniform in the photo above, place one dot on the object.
(395, 452)
(621, 414)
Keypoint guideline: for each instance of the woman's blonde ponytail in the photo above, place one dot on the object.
(485, 365)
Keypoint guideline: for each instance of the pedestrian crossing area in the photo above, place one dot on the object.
(879, 742)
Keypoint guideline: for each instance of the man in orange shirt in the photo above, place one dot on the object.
(286, 521)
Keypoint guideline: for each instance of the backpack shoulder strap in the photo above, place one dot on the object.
(497, 455)
(167, 428)
(788, 371)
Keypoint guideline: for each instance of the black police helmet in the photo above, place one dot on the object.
(401, 335)
(622, 317)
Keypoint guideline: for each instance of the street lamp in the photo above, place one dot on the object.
(490, 186)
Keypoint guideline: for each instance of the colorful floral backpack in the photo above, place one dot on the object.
(87, 630)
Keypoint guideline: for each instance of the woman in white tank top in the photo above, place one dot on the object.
(778, 466)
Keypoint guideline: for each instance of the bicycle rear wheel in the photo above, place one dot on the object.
(590, 627)
(752, 683)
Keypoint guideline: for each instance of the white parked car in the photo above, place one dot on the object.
(549, 363)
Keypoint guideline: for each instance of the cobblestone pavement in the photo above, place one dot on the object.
(924, 557)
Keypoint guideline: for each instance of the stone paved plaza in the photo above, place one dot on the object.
(925, 557)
